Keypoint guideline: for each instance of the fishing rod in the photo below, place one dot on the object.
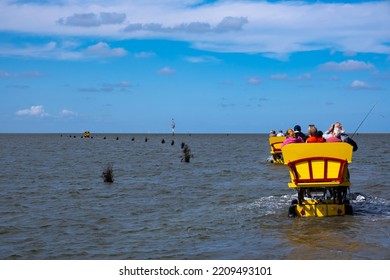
(369, 112)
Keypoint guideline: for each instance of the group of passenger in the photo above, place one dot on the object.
(335, 133)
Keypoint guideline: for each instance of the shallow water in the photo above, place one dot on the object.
(228, 202)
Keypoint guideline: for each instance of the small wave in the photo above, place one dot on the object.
(361, 203)
(369, 205)
(9, 229)
(356, 197)
(270, 205)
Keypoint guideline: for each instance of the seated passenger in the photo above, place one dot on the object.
(291, 138)
(320, 136)
(280, 133)
(313, 135)
(335, 136)
(272, 133)
(329, 132)
(298, 132)
(343, 136)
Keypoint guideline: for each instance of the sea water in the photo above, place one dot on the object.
(228, 202)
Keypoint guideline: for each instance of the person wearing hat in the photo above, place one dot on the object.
(298, 133)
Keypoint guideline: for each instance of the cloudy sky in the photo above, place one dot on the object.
(214, 66)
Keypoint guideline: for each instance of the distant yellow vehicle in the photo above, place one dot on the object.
(275, 144)
(319, 173)
(87, 134)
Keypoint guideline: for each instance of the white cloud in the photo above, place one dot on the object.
(68, 113)
(39, 51)
(36, 111)
(102, 49)
(67, 51)
(202, 59)
(305, 76)
(92, 19)
(227, 24)
(357, 84)
(85, 20)
(347, 65)
(26, 74)
(254, 80)
(122, 86)
(349, 53)
(166, 71)
(153, 27)
(274, 29)
(144, 54)
(231, 24)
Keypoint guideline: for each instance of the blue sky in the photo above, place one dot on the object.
(214, 66)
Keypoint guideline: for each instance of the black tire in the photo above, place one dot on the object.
(292, 211)
(348, 209)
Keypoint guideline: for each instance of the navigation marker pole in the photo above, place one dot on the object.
(173, 131)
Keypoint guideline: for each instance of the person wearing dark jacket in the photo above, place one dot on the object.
(298, 133)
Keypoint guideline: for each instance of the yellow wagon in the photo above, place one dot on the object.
(275, 144)
(319, 173)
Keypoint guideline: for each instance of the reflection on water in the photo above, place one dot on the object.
(323, 238)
